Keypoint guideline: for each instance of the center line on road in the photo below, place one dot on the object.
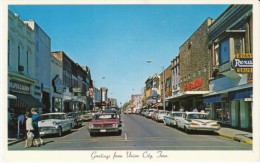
(125, 137)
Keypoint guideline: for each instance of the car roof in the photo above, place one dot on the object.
(195, 113)
(53, 113)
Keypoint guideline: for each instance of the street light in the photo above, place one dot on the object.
(149, 61)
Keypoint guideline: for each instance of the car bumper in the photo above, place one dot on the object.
(201, 128)
(48, 131)
(105, 130)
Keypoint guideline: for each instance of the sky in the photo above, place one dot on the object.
(115, 41)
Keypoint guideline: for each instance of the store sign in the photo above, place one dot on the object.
(243, 63)
(195, 84)
(19, 86)
(76, 90)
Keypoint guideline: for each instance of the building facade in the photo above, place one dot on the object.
(42, 53)
(57, 85)
(230, 41)
(167, 87)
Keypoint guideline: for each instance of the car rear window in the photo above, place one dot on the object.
(105, 116)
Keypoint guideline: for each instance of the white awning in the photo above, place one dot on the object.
(11, 97)
(186, 94)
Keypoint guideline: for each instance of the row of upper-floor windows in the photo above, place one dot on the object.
(20, 54)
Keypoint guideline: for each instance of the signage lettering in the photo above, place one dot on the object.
(243, 63)
(195, 84)
(19, 86)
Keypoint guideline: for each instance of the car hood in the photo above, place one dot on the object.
(104, 121)
(47, 122)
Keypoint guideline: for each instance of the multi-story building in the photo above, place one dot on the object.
(167, 87)
(230, 40)
(152, 91)
(175, 83)
(67, 79)
(42, 53)
(194, 69)
(89, 84)
(21, 65)
(57, 85)
(136, 102)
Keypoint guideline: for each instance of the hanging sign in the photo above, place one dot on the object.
(243, 63)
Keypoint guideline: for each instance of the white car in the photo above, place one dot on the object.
(55, 123)
(160, 115)
(172, 117)
(194, 121)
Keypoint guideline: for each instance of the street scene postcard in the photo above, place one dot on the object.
(144, 81)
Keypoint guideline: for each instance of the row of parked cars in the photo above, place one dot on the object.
(188, 121)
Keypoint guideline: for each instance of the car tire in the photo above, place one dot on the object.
(186, 130)
(60, 132)
(164, 123)
(119, 132)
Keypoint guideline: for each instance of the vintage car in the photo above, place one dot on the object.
(54, 123)
(76, 117)
(171, 117)
(195, 121)
(160, 115)
(105, 123)
(86, 115)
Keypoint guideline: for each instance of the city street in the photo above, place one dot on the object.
(139, 133)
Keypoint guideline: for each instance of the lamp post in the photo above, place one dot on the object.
(163, 86)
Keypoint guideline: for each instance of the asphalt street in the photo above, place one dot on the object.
(139, 133)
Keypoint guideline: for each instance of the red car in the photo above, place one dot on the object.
(105, 123)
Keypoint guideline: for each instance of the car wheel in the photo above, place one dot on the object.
(119, 132)
(60, 132)
(164, 123)
(186, 130)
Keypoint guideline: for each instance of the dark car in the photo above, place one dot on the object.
(77, 118)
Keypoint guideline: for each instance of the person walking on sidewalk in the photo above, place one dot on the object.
(35, 118)
(21, 125)
(29, 129)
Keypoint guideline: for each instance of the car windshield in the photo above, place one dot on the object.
(197, 116)
(105, 116)
(151, 110)
(177, 114)
(72, 114)
(50, 116)
(162, 112)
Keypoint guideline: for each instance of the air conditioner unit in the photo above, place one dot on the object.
(20, 68)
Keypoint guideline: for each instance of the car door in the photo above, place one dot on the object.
(182, 121)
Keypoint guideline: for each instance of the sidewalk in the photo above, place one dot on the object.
(237, 135)
(234, 134)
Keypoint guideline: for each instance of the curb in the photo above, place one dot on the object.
(15, 142)
(236, 138)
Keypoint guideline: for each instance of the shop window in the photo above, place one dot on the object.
(168, 82)
(223, 112)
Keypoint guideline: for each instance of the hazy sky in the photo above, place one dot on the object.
(115, 41)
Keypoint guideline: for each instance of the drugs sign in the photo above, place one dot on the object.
(243, 63)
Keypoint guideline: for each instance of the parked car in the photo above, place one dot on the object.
(105, 123)
(54, 123)
(160, 115)
(143, 112)
(86, 116)
(171, 117)
(76, 117)
(149, 113)
(194, 121)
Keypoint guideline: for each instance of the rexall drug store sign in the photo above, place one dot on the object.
(243, 63)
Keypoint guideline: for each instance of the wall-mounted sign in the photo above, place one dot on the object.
(19, 86)
(194, 84)
(76, 90)
(243, 63)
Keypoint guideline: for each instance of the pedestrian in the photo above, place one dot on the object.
(29, 129)
(35, 118)
(21, 125)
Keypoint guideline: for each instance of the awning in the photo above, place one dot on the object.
(240, 94)
(215, 98)
(11, 97)
(28, 99)
(186, 94)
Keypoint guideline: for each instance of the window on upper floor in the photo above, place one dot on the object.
(19, 55)
(224, 51)
(168, 82)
